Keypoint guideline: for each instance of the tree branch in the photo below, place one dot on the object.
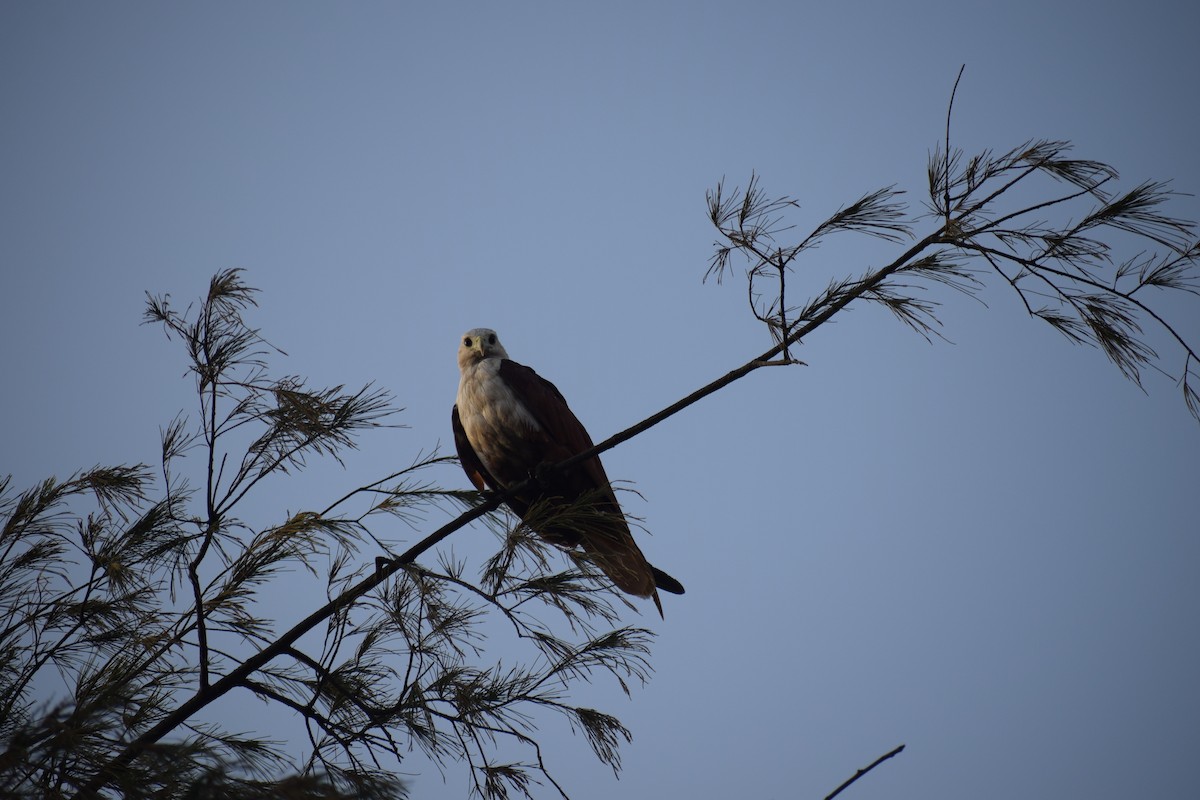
(864, 771)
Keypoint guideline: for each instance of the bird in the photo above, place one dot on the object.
(511, 424)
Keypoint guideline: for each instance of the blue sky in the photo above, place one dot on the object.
(984, 549)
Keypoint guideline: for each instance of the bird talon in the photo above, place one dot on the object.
(542, 474)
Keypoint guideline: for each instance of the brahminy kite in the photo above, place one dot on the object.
(508, 422)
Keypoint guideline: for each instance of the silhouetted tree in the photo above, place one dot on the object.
(139, 591)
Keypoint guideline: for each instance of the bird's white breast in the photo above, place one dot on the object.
(492, 415)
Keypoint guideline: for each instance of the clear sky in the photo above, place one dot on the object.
(984, 549)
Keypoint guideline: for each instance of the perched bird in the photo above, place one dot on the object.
(509, 422)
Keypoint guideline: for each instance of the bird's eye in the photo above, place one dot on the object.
(466, 341)
(492, 339)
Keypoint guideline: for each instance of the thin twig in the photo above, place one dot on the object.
(864, 771)
(949, 114)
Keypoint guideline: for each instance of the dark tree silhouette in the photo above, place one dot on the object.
(139, 590)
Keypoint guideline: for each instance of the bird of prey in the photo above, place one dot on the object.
(508, 423)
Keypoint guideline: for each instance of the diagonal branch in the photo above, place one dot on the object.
(864, 771)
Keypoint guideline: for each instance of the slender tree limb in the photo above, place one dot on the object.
(858, 290)
(949, 116)
(864, 771)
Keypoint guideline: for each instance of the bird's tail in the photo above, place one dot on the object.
(665, 582)
(622, 561)
(617, 554)
(601, 530)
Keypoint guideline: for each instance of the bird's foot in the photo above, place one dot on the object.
(542, 474)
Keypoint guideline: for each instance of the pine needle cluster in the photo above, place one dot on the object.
(1090, 260)
(131, 600)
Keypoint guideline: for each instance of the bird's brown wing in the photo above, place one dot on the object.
(607, 538)
(564, 435)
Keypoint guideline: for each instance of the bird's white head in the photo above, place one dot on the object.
(478, 344)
